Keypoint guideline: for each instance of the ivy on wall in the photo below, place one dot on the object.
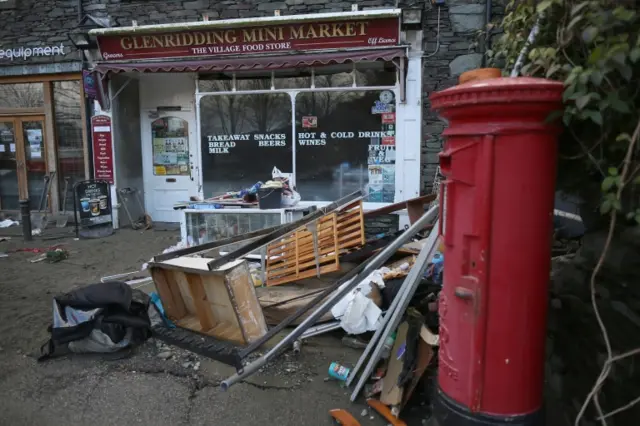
(594, 47)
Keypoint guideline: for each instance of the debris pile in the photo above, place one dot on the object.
(318, 274)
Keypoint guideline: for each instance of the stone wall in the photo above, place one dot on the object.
(37, 23)
(32, 24)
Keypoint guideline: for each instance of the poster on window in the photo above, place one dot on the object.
(376, 183)
(170, 138)
(34, 137)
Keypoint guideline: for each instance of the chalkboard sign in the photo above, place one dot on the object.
(93, 209)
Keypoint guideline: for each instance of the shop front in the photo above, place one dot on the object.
(42, 136)
(203, 108)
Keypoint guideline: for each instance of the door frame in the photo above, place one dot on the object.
(49, 129)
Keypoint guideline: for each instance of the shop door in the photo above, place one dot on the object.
(23, 162)
(170, 166)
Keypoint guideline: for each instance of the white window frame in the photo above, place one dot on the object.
(292, 95)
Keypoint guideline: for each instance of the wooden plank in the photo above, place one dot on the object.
(311, 255)
(171, 299)
(303, 249)
(353, 220)
(203, 309)
(286, 229)
(21, 111)
(309, 274)
(343, 417)
(40, 78)
(385, 412)
(399, 206)
(21, 160)
(249, 312)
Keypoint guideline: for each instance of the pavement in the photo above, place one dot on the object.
(157, 384)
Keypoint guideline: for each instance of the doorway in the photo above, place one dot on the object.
(170, 173)
(23, 161)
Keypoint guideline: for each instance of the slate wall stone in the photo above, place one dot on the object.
(32, 23)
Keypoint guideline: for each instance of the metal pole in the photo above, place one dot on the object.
(25, 214)
(429, 247)
(394, 316)
(371, 266)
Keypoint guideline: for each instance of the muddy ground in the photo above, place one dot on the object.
(157, 385)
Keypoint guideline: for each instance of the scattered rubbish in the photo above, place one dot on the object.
(125, 197)
(353, 342)
(113, 317)
(354, 276)
(364, 413)
(385, 412)
(338, 371)
(343, 417)
(8, 223)
(57, 255)
(165, 355)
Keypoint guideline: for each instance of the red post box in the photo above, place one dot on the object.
(499, 164)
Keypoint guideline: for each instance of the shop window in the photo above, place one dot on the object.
(246, 82)
(345, 142)
(376, 74)
(170, 136)
(9, 194)
(21, 95)
(243, 137)
(67, 99)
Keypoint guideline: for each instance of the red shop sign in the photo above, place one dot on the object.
(102, 148)
(265, 39)
(388, 118)
(389, 140)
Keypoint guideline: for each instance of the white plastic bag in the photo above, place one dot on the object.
(288, 200)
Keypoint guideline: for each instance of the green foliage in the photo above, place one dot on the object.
(593, 46)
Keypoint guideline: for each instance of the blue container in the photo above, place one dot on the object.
(339, 372)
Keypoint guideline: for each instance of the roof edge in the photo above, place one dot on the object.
(231, 23)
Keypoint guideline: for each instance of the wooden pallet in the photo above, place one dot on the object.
(294, 258)
(220, 303)
(351, 227)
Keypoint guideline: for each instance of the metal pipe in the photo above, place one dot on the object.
(320, 329)
(429, 246)
(371, 266)
(411, 284)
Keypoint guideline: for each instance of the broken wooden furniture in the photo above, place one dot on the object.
(221, 303)
(314, 250)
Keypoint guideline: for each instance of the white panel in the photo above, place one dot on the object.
(167, 90)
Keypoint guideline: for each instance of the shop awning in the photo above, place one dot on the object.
(255, 63)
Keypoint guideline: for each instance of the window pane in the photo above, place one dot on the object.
(9, 195)
(345, 142)
(22, 95)
(334, 76)
(68, 120)
(33, 132)
(170, 137)
(376, 74)
(243, 138)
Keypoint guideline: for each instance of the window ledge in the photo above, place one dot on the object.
(7, 4)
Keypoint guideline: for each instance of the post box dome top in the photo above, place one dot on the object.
(504, 90)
